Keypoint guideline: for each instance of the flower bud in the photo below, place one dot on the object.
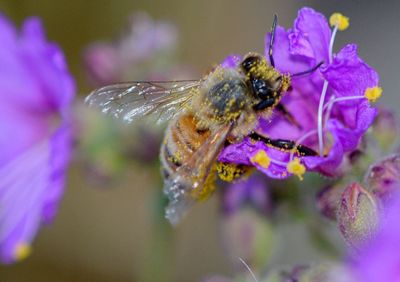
(384, 177)
(386, 129)
(357, 215)
(328, 200)
(326, 272)
(101, 63)
(285, 275)
(247, 234)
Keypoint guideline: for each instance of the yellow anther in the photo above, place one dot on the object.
(261, 158)
(297, 168)
(373, 93)
(337, 19)
(22, 251)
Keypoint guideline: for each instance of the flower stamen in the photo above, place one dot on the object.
(373, 93)
(339, 20)
(261, 158)
(296, 167)
(320, 118)
(22, 251)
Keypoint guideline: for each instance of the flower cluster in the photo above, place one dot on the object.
(144, 47)
(332, 106)
(36, 92)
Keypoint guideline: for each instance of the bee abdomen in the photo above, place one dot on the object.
(182, 139)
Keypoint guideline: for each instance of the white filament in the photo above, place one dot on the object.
(322, 98)
(249, 269)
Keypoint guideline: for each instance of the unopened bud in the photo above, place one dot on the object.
(357, 215)
(328, 200)
(386, 129)
(247, 234)
(384, 177)
(326, 272)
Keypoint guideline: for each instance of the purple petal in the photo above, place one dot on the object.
(102, 63)
(380, 261)
(7, 33)
(59, 158)
(241, 153)
(285, 61)
(310, 36)
(232, 61)
(23, 184)
(348, 74)
(36, 91)
(356, 122)
(19, 130)
(252, 189)
(346, 138)
(327, 165)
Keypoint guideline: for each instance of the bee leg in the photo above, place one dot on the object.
(265, 104)
(286, 145)
(282, 109)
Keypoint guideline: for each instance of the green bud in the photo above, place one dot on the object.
(386, 129)
(328, 200)
(357, 215)
(326, 272)
(248, 235)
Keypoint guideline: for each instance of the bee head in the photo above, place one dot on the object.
(265, 81)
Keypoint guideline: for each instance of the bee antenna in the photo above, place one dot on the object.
(308, 71)
(271, 41)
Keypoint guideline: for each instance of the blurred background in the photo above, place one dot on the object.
(110, 225)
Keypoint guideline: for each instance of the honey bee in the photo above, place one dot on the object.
(204, 115)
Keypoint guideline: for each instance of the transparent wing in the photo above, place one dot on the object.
(188, 183)
(132, 100)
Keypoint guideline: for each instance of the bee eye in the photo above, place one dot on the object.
(261, 88)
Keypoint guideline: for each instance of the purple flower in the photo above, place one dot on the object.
(380, 261)
(253, 191)
(245, 228)
(126, 58)
(332, 105)
(383, 177)
(36, 90)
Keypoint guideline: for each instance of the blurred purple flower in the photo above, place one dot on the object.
(383, 177)
(144, 40)
(380, 261)
(386, 130)
(330, 104)
(245, 229)
(253, 191)
(36, 90)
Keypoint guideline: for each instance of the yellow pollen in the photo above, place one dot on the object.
(296, 168)
(373, 93)
(261, 158)
(22, 251)
(337, 19)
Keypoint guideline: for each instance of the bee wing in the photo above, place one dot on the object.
(132, 100)
(189, 181)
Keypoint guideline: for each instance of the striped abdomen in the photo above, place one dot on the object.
(181, 140)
